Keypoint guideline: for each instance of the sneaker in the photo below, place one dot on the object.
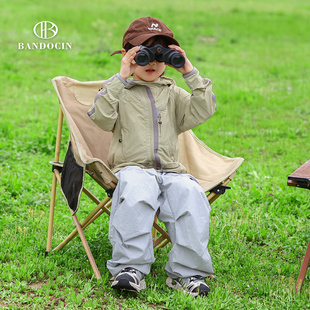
(129, 279)
(194, 286)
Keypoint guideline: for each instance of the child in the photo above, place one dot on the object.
(146, 114)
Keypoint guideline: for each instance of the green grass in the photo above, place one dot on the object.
(256, 54)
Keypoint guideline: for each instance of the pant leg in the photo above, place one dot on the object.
(134, 205)
(185, 211)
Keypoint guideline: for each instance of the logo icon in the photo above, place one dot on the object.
(45, 30)
(154, 27)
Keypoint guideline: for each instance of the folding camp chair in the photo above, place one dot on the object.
(301, 178)
(88, 150)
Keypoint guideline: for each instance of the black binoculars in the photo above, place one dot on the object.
(147, 54)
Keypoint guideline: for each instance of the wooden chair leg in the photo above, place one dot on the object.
(86, 247)
(54, 184)
(87, 221)
(303, 270)
(154, 231)
(162, 244)
(51, 216)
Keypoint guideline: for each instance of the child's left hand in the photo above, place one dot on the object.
(188, 67)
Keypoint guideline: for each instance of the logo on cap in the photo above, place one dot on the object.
(154, 27)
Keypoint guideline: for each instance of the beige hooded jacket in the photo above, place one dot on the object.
(147, 117)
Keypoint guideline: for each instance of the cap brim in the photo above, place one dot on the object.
(138, 40)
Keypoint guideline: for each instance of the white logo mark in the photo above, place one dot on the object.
(154, 27)
(45, 30)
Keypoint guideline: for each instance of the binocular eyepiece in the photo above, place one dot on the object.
(147, 54)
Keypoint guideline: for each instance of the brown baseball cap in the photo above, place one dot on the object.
(145, 28)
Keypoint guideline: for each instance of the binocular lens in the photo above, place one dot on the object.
(142, 59)
(177, 61)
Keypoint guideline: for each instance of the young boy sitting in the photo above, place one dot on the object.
(146, 114)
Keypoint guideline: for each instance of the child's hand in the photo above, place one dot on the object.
(128, 64)
(188, 67)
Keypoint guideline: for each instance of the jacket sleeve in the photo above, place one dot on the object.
(194, 109)
(104, 111)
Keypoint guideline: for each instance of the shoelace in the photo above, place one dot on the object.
(196, 278)
(129, 269)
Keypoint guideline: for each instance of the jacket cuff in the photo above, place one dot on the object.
(194, 80)
(121, 79)
(189, 74)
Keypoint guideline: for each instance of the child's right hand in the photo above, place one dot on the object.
(128, 64)
(188, 67)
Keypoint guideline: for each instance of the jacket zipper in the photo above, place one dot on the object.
(155, 128)
(159, 123)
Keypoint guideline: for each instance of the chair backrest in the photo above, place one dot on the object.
(91, 144)
(76, 99)
(207, 166)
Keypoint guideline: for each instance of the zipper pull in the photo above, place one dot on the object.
(159, 119)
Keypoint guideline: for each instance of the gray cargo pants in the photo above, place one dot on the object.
(179, 202)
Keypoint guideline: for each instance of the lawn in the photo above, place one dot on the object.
(257, 55)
